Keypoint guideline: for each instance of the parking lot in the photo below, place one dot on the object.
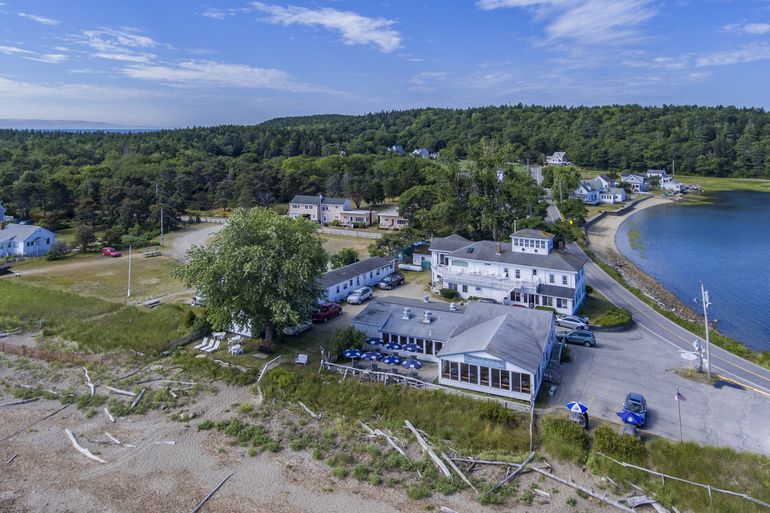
(636, 361)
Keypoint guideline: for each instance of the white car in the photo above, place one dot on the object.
(302, 327)
(572, 321)
(360, 295)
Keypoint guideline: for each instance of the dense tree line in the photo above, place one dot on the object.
(122, 180)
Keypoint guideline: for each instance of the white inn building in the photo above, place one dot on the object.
(528, 271)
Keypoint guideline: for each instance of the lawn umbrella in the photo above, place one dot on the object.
(393, 346)
(630, 417)
(576, 407)
(371, 355)
(351, 353)
(412, 363)
(412, 348)
(391, 360)
(374, 341)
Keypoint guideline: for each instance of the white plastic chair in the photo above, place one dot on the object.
(301, 359)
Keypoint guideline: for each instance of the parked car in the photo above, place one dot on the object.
(325, 312)
(391, 281)
(111, 252)
(583, 337)
(360, 295)
(572, 321)
(302, 327)
(636, 403)
(489, 300)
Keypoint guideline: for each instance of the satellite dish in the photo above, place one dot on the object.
(689, 356)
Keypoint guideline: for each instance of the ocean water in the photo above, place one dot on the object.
(724, 244)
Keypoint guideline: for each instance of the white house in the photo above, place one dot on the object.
(612, 195)
(423, 153)
(397, 149)
(486, 348)
(559, 158)
(528, 271)
(637, 182)
(25, 240)
(666, 182)
(392, 220)
(587, 192)
(339, 283)
(319, 208)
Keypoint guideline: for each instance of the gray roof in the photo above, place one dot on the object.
(516, 335)
(486, 250)
(616, 190)
(20, 232)
(556, 291)
(350, 271)
(450, 243)
(633, 175)
(588, 185)
(533, 234)
(314, 200)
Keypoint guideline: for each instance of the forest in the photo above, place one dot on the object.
(121, 180)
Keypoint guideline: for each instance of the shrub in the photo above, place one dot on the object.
(449, 294)
(346, 338)
(571, 501)
(317, 454)
(252, 451)
(206, 425)
(279, 209)
(375, 479)
(417, 492)
(246, 408)
(449, 486)
(564, 439)
(340, 472)
(497, 413)
(527, 497)
(614, 316)
(623, 447)
(58, 251)
(361, 472)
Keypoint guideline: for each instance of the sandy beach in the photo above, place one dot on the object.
(601, 234)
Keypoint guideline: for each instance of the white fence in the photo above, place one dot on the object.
(350, 233)
(400, 379)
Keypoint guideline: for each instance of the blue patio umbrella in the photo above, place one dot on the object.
(393, 346)
(576, 407)
(413, 348)
(374, 341)
(630, 417)
(351, 353)
(371, 355)
(412, 363)
(391, 360)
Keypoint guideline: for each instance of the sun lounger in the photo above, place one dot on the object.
(301, 359)
(208, 346)
(202, 344)
(217, 343)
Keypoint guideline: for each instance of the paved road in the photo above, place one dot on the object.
(552, 214)
(668, 333)
(194, 235)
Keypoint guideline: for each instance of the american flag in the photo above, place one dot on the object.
(679, 396)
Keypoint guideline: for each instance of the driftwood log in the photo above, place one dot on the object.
(585, 490)
(85, 452)
(428, 449)
(459, 472)
(309, 411)
(212, 492)
(119, 391)
(109, 415)
(138, 398)
(18, 403)
(512, 475)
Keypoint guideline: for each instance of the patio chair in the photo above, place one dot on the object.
(375, 367)
(414, 375)
(356, 365)
(208, 346)
(215, 347)
(301, 359)
(202, 344)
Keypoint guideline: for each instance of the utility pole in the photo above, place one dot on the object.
(129, 271)
(673, 167)
(679, 397)
(561, 196)
(161, 225)
(706, 303)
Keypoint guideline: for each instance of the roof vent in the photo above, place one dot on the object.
(426, 298)
(427, 317)
(452, 307)
(407, 314)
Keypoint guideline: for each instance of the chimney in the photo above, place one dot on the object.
(499, 249)
(427, 317)
(407, 314)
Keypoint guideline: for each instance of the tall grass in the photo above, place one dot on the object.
(470, 425)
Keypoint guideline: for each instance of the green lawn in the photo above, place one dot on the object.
(334, 243)
(93, 323)
(601, 312)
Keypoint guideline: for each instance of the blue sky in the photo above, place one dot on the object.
(179, 63)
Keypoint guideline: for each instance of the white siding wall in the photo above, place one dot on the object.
(341, 290)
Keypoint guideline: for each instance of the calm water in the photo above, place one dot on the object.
(725, 244)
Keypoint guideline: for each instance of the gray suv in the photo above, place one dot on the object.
(583, 337)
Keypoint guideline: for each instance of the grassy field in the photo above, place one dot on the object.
(713, 184)
(601, 312)
(334, 243)
(93, 323)
(595, 209)
(107, 278)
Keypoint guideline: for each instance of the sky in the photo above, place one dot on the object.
(176, 63)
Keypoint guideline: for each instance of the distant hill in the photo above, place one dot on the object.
(57, 124)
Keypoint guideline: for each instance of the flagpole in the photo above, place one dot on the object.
(679, 407)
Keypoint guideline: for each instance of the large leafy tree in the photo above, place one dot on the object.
(261, 271)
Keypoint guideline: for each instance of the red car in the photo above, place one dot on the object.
(111, 252)
(325, 312)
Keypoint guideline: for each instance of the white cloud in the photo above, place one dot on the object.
(740, 56)
(489, 5)
(355, 28)
(217, 14)
(124, 44)
(217, 73)
(51, 58)
(39, 19)
(13, 50)
(125, 57)
(755, 29)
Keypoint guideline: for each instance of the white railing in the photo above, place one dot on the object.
(390, 377)
(486, 280)
(350, 233)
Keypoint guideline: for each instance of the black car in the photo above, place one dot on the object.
(391, 281)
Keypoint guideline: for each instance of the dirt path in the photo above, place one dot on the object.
(195, 235)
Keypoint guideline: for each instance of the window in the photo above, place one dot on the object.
(478, 289)
(551, 278)
(465, 288)
(338, 288)
(561, 303)
(469, 373)
(534, 272)
(547, 300)
(518, 274)
(563, 279)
